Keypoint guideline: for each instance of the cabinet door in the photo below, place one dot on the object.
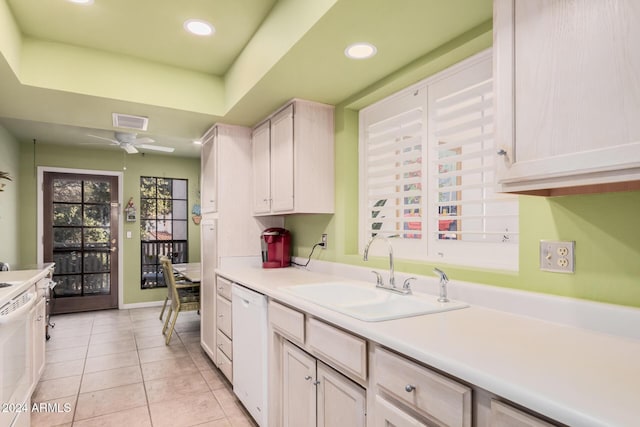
(503, 415)
(389, 415)
(282, 161)
(567, 96)
(208, 287)
(340, 401)
(209, 171)
(38, 322)
(298, 390)
(260, 157)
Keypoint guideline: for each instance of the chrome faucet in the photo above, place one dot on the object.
(392, 279)
(444, 279)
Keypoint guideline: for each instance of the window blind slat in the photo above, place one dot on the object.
(485, 88)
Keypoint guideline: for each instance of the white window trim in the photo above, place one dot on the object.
(504, 259)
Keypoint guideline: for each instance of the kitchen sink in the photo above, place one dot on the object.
(369, 303)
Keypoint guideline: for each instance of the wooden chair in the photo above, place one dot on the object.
(179, 281)
(184, 297)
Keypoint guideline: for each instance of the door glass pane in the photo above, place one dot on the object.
(148, 208)
(147, 187)
(165, 209)
(164, 188)
(97, 284)
(97, 215)
(96, 237)
(179, 230)
(97, 262)
(67, 190)
(97, 192)
(67, 237)
(180, 189)
(67, 262)
(67, 214)
(68, 285)
(179, 210)
(148, 230)
(164, 231)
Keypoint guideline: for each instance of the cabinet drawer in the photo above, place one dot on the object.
(224, 315)
(503, 415)
(224, 364)
(287, 321)
(347, 352)
(224, 287)
(225, 345)
(431, 394)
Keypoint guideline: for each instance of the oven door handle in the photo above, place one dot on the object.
(7, 318)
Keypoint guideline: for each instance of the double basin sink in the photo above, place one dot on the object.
(370, 303)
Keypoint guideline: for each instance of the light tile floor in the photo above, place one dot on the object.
(112, 368)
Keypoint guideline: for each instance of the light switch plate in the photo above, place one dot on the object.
(557, 256)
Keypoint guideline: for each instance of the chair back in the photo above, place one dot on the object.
(170, 280)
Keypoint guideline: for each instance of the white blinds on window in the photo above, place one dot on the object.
(462, 154)
(427, 171)
(393, 163)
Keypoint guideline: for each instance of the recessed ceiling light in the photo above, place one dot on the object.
(81, 1)
(199, 27)
(360, 50)
(197, 142)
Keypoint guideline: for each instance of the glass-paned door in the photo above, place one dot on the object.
(81, 237)
(163, 226)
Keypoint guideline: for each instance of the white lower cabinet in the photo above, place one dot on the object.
(503, 415)
(38, 318)
(434, 398)
(313, 394)
(224, 355)
(387, 414)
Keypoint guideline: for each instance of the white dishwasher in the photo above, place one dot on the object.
(249, 325)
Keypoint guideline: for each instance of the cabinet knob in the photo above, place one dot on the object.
(502, 152)
(220, 315)
(316, 382)
(308, 377)
(409, 388)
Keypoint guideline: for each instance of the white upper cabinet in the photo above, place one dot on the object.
(293, 160)
(567, 95)
(209, 172)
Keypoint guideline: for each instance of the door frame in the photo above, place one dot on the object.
(40, 210)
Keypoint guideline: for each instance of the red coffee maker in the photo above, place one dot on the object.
(276, 248)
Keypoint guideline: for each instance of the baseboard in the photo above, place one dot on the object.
(141, 305)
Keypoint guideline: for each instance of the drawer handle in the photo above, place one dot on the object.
(220, 315)
(502, 152)
(409, 388)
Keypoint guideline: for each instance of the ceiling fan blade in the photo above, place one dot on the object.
(157, 148)
(106, 139)
(129, 148)
(144, 140)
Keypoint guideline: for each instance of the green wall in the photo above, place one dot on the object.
(604, 226)
(9, 241)
(107, 160)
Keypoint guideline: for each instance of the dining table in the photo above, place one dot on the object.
(189, 270)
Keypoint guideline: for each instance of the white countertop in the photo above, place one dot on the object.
(575, 376)
(20, 281)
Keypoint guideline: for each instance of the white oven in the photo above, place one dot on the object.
(15, 365)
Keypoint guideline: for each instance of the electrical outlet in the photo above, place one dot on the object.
(557, 256)
(324, 240)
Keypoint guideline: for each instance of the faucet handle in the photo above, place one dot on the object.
(379, 281)
(407, 282)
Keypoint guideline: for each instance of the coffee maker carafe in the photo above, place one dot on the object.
(276, 248)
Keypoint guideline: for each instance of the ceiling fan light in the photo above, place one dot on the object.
(199, 27)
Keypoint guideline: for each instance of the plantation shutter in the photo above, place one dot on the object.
(393, 164)
(462, 154)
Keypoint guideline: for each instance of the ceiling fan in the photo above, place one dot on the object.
(130, 142)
